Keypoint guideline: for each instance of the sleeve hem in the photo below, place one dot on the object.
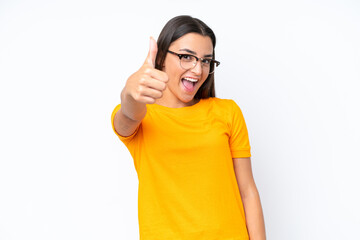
(127, 137)
(241, 153)
(122, 138)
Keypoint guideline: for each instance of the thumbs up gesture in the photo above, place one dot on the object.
(147, 84)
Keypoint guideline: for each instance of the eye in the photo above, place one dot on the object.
(187, 57)
(207, 61)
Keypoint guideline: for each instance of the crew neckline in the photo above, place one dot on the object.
(184, 110)
(186, 107)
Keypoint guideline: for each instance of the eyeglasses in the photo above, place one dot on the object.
(188, 61)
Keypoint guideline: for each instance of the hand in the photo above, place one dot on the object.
(147, 84)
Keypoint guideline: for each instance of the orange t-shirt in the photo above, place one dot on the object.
(183, 159)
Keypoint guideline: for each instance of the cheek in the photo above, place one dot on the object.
(170, 69)
(174, 73)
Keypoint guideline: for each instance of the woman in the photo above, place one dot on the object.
(191, 150)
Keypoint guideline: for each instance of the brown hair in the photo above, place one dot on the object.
(176, 28)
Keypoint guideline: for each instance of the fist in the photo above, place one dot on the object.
(147, 84)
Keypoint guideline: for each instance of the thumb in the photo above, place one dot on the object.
(152, 52)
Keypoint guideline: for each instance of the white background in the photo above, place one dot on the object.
(292, 67)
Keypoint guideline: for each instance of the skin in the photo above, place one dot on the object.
(250, 198)
(174, 95)
(164, 87)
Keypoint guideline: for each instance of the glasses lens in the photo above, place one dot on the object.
(187, 61)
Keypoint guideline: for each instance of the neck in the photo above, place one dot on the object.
(175, 104)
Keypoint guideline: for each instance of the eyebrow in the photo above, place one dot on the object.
(194, 53)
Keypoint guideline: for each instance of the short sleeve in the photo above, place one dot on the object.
(239, 138)
(126, 139)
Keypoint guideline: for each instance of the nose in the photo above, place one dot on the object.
(197, 69)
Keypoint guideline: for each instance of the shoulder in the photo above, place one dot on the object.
(221, 103)
(222, 108)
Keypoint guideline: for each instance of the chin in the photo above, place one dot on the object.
(187, 99)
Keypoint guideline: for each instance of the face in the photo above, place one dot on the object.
(183, 84)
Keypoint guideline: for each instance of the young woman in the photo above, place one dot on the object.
(191, 150)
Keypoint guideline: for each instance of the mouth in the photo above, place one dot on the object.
(189, 83)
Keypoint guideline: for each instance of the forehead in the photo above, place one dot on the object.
(196, 42)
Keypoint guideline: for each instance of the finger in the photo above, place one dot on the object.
(155, 84)
(146, 100)
(157, 74)
(152, 93)
(149, 82)
(150, 59)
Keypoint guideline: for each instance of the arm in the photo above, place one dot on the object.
(250, 198)
(143, 87)
(129, 117)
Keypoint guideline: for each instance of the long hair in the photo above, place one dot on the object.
(176, 28)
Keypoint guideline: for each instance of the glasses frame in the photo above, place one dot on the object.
(217, 63)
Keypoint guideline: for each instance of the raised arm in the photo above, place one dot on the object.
(143, 87)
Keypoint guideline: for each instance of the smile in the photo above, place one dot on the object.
(194, 80)
(189, 83)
